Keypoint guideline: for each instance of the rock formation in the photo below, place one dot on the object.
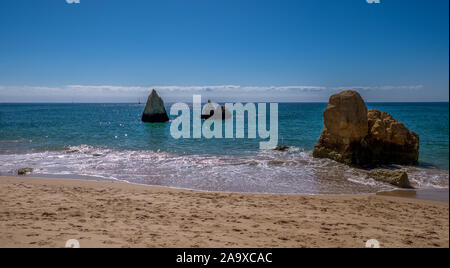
(215, 112)
(24, 171)
(208, 110)
(154, 110)
(346, 125)
(222, 111)
(394, 177)
(353, 135)
(281, 148)
(390, 141)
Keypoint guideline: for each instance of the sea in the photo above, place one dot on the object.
(109, 142)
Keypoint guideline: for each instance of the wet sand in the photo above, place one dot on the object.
(37, 212)
(424, 194)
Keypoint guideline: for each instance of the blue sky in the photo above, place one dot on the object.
(247, 50)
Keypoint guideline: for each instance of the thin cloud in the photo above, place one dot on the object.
(111, 93)
(220, 87)
(403, 87)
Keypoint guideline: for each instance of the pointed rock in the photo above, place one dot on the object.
(397, 178)
(154, 110)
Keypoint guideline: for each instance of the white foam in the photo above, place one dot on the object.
(292, 171)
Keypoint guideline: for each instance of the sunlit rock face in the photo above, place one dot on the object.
(356, 136)
(154, 110)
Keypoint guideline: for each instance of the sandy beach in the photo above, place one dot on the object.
(36, 212)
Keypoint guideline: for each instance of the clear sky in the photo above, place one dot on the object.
(247, 50)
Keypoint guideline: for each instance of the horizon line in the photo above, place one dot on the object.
(170, 102)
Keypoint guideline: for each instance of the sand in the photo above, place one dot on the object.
(37, 212)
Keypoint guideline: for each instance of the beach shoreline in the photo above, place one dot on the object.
(43, 212)
(432, 194)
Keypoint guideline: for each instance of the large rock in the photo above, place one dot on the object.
(353, 135)
(154, 110)
(281, 148)
(346, 125)
(390, 141)
(394, 177)
(346, 116)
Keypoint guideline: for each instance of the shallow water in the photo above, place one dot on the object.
(108, 141)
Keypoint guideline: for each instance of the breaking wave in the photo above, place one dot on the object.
(291, 172)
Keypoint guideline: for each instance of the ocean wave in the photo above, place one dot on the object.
(291, 171)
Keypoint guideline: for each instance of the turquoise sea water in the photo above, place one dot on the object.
(109, 141)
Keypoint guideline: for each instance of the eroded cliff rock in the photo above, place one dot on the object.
(353, 135)
(397, 178)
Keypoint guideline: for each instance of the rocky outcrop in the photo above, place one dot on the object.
(154, 110)
(221, 110)
(24, 171)
(208, 110)
(281, 148)
(394, 177)
(346, 116)
(390, 141)
(346, 125)
(355, 136)
(218, 112)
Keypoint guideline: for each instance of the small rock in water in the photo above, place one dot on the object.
(397, 178)
(281, 148)
(218, 112)
(24, 171)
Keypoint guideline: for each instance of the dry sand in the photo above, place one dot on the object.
(47, 212)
